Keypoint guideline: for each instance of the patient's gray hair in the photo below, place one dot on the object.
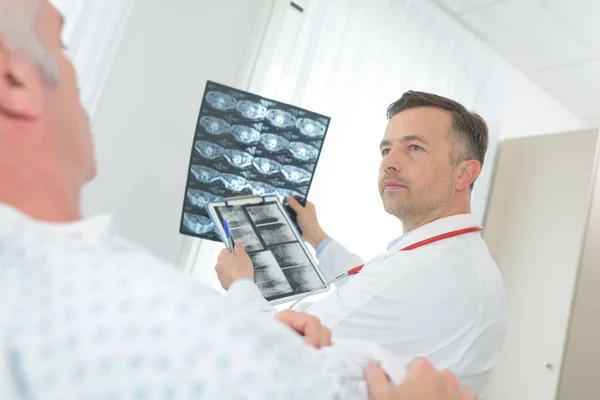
(17, 29)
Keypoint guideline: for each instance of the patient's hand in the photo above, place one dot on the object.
(315, 334)
(423, 382)
(233, 266)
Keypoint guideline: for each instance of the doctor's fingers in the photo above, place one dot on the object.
(378, 383)
(315, 334)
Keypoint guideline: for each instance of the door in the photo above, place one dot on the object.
(535, 229)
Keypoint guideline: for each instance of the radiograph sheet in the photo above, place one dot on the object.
(247, 144)
(282, 268)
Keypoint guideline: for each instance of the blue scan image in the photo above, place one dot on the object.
(251, 110)
(234, 183)
(310, 128)
(201, 199)
(295, 174)
(245, 134)
(198, 224)
(285, 193)
(220, 101)
(266, 166)
(209, 150)
(303, 152)
(280, 118)
(273, 143)
(205, 174)
(263, 189)
(214, 126)
(238, 159)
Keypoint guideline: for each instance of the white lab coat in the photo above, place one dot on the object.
(443, 301)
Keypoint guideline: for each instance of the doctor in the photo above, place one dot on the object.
(435, 292)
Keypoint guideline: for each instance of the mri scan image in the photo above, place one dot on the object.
(245, 144)
(295, 174)
(280, 118)
(198, 224)
(303, 152)
(266, 166)
(263, 189)
(310, 128)
(273, 143)
(245, 134)
(251, 110)
(220, 101)
(205, 174)
(282, 194)
(235, 183)
(214, 126)
(201, 199)
(238, 159)
(209, 150)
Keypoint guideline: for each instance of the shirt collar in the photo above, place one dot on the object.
(434, 228)
(11, 219)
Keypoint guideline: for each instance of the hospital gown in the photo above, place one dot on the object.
(84, 314)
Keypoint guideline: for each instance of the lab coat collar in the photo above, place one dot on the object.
(437, 227)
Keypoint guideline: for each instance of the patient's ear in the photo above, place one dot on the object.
(21, 85)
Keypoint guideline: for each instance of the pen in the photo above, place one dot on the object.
(228, 235)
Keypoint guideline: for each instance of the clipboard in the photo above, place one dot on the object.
(284, 268)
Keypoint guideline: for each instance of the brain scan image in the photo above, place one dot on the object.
(303, 152)
(251, 110)
(295, 174)
(280, 118)
(234, 183)
(266, 166)
(209, 150)
(205, 174)
(201, 199)
(220, 101)
(310, 128)
(245, 134)
(198, 224)
(238, 159)
(214, 126)
(273, 143)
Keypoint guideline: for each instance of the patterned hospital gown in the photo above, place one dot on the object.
(86, 315)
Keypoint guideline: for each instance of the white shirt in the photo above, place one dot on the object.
(443, 301)
(86, 315)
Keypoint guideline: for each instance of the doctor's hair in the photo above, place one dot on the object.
(18, 33)
(470, 138)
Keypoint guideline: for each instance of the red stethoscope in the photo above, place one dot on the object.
(413, 246)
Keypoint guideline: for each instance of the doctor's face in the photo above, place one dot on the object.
(416, 175)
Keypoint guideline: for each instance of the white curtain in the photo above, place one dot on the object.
(353, 58)
(92, 34)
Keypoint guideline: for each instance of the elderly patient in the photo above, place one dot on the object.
(86, 314)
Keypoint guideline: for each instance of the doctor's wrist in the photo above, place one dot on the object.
(316, 238)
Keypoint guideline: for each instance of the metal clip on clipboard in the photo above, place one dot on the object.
(248, 199)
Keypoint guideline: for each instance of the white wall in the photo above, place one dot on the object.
(532, 111)
(146, 117)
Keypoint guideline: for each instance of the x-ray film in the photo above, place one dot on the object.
(283, 267)
(246, 144)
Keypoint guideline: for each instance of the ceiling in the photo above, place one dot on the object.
(555, 42)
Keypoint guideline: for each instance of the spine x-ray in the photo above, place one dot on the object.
(246, 144)
(283, 267)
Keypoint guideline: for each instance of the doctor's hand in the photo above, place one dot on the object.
(233, 266)
(312, 232)
(315, 334)
(423, 382)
